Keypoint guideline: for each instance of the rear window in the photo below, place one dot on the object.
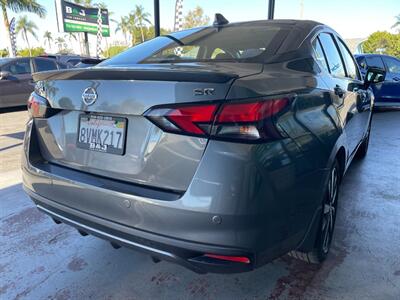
(74, 61)
(18, 67)
(45, 64)
(213, 44)
(232, 43)
(3, 61)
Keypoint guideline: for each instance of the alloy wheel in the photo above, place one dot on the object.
(329, 214)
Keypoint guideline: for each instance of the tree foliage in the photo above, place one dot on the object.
(383, 42)
(397, 23)
(3, 52)
(114, 50)
(25, 26)
(31, 52)
(19, 6)
(196, 18)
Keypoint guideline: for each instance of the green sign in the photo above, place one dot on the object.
(77, 18)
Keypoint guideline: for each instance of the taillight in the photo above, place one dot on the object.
(38, 107)
(252, 121)
(193, 120)
(242, 121)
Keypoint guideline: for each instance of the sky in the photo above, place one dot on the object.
(350, 18)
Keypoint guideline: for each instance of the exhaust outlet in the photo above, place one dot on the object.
(155, 259)
(82, 233)
(56, 221)
(115, 245)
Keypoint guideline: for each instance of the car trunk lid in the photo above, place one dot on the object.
(151, 156)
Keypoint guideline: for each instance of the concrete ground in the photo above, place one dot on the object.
(42, 260)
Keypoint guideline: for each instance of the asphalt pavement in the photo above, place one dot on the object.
(42, 260)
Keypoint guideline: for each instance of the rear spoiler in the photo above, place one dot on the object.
(135, 74)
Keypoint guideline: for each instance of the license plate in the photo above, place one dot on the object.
(102, 133)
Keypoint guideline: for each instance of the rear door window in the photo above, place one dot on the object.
(335, 63)
(18, 67)
(45, 64)
(351, 67)
(319, 54)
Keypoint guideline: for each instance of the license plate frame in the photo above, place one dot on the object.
(83, 135)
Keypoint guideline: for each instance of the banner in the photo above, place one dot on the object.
(13, 39)
(72, 17)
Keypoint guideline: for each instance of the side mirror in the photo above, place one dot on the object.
(374, 75)
(4, 75)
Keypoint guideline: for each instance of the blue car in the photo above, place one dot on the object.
(387, 93)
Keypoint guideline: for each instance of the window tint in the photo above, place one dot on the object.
(332, 54)
(374, 61)
(45, 64)
(361, 62)
(182, 52)
(319, 54)
(392, 64)
(254, 40)
(62, 66)
(20, 66)
(351, 67)
(74, 61)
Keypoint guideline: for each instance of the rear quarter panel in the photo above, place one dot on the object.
(312, 124)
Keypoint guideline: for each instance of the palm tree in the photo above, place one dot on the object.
(48, 38)
(131, 19)
(84, 2)
(141, 17)
(123, 26)
(24, 26)
(60, 43)
(71, 36)
(397, 24)
(18, 6)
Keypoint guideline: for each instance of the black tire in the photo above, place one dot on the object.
(327, 223)
(363, 149)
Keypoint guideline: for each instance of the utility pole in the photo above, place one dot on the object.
(301, 9)
(271, 9)
(157, 18)
(86, 42)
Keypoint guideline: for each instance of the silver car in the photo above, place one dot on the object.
(219, 148)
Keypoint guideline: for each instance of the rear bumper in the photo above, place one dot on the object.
(186, 254)
(255, 200)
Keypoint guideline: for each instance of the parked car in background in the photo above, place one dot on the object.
(70, 60)
(219, 148)
(88, 62)
(387, 93)
(16, 78)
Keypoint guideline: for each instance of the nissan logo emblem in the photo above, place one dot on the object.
(89, 96)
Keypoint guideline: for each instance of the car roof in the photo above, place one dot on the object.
(303, 26)
(374, 54)
(298, 31)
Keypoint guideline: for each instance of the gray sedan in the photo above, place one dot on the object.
(219, 148)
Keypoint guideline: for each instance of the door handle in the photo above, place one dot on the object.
(396, 78)
(339, 91)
